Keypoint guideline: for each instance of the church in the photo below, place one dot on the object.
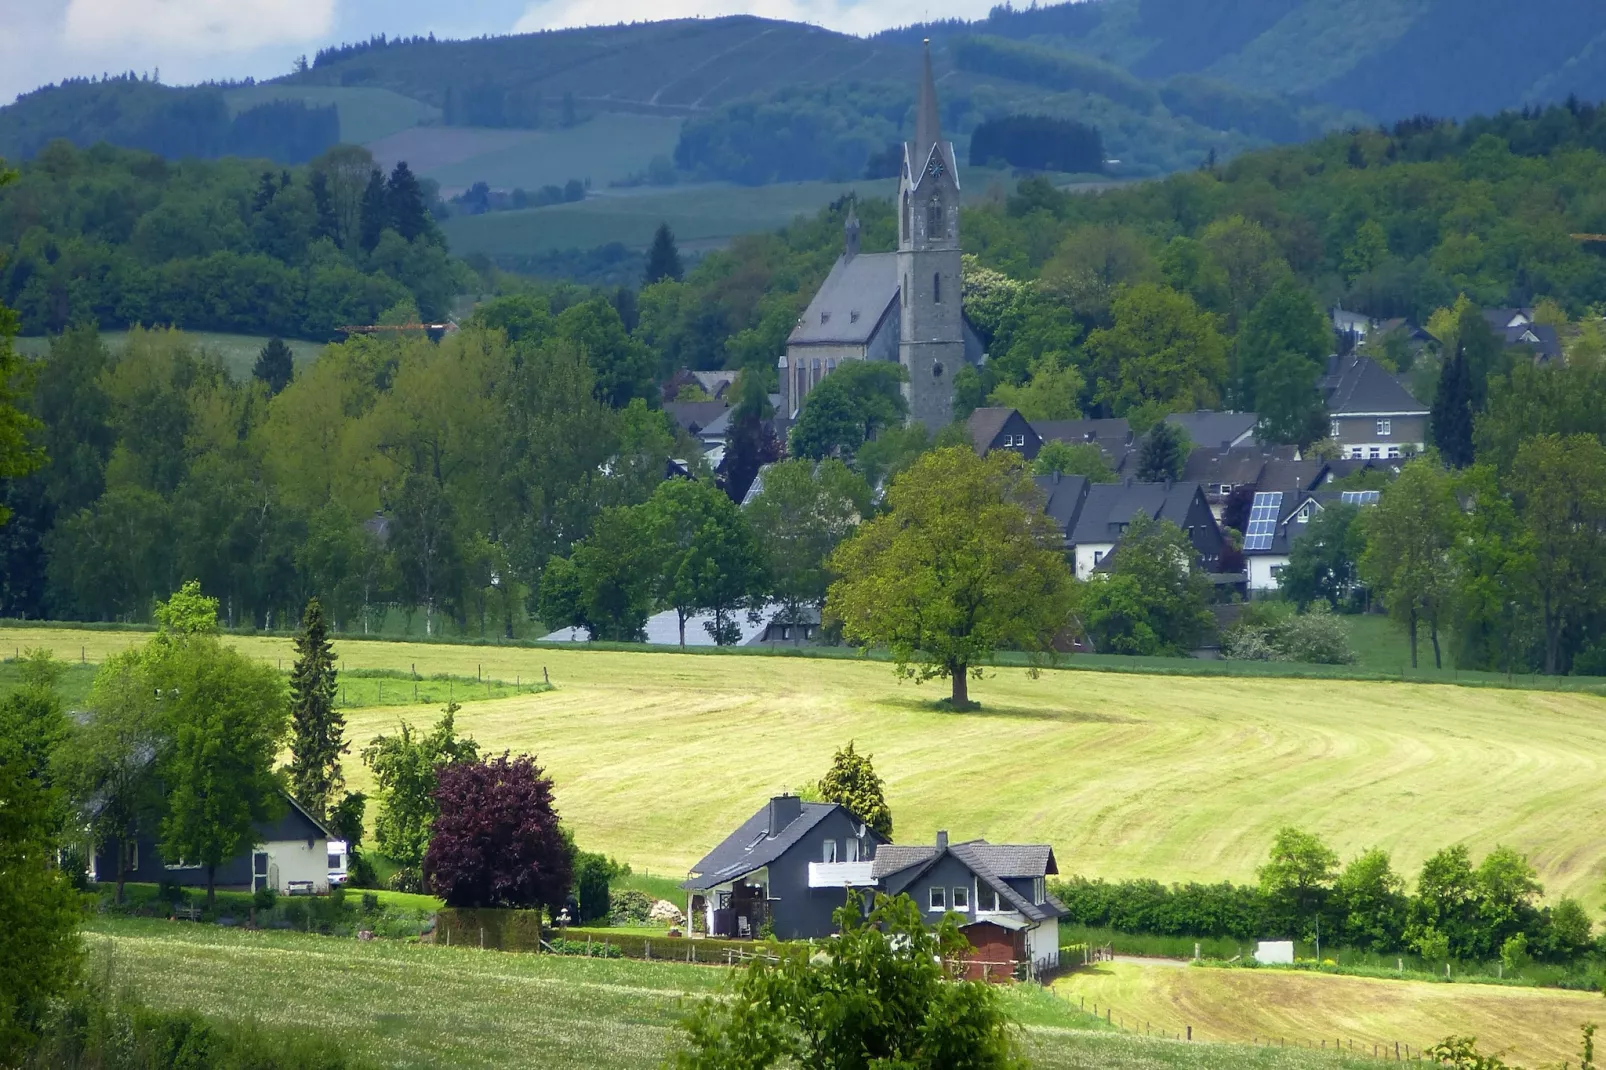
(903, 306)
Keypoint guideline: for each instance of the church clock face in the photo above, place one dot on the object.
(935, 169)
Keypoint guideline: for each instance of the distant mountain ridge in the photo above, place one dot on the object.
(1388, 58)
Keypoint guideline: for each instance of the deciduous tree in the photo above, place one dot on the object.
(1163, 354)
(705, 553)
(1058, 458)
(964, 562)
(1408, 535)
(1298, 876)
(405, 768)
(1323, 562)
(883, 991)
(1154, 602)
(804, 511)
(1560, 487)
(495, 841)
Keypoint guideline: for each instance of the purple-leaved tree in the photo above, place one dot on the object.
(496, 842)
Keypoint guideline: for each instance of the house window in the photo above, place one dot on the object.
(1037, 889)
(1374, 452)
(987, 900)
(936, 288)
(828, 851)
(1332, 429)
(939, 899)
(1226, 489)
(830, 366)
(1394, 451)
(334, 861)
(853, 849)
(934, 222)
(961, 899)
(1385, 427)
(1098, 555)
(786, 631)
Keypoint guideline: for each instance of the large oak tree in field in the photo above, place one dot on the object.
(962, 564)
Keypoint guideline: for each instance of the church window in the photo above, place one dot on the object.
(936, 288)
(936, 370)
(906, 233)
(934, 222)
(906, 291)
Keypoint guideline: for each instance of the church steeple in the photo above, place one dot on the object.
(850, 231)
(928, 130)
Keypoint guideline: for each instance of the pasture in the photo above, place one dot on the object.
(1536, 1025)
(237, 351)
(657, 756)
(406, 1006)
(367, 113)
(605, 148)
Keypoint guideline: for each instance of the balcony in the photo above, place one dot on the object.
(840, 874)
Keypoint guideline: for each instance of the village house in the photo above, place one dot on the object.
(1371, 414)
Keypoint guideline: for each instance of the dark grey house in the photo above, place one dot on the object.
(1217, 430)
(1003, 429)
(789, 865)
(999, 891)
(290, 855)
(1109, 509)
(1373, 416)
(1113, 437)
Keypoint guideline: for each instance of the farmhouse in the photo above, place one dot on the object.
(1373, 416)
(998, 889)
(289, 855)
(788, 867)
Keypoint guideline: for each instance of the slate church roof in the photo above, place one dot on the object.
(851, 302)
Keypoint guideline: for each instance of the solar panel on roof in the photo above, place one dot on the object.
(1263, 520)
(1360, 497)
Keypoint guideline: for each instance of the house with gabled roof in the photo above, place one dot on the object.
(1217, 430)
(1372, 414)
(1277, 520)
(1002, 428)
(1113, 437)
(999, 890)
(788, 866)
(1108, 509)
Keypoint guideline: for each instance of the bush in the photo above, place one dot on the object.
(1273, 632)
(630, 908)
(264, 898)
(406, 879)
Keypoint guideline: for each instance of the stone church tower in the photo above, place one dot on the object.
(931, 344)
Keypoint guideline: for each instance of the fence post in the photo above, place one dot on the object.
(482, 938)
(1190, 1032)
(648, 955)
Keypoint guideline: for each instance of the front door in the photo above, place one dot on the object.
(259, 870)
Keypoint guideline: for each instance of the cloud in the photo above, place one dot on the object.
(196, 26)
(847, 16)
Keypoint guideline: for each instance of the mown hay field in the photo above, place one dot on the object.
(1536, 1025)
(658, 755)
(401, 1005)
(237, 351)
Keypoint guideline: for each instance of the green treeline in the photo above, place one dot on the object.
(1468, 910)
(175, 123)
(1038, 143)
(119, 237)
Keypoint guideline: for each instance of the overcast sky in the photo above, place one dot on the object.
(44, 41)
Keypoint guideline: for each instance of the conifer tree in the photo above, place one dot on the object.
(852, 783)
(317, 727)
(408, 215)
(1452, 411)
(275, 365)
(663, 260)
(375, 210)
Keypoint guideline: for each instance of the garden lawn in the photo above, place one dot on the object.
(657, 756)
(1535, 1025)
(411, 1005)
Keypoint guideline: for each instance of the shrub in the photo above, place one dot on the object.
(630, 908)
(1317, 636)
(406, 879)
(264, 898)
(1248, 643)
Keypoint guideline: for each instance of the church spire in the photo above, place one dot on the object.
(927, 129)
(850, 230)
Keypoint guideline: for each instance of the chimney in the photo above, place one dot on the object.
(784, 809)
(942, 839)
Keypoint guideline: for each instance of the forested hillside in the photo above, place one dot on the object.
(1388, 58)
(118, 237)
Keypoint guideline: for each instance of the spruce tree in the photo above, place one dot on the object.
(663, 260)
(1451, 414)
(318, 731)
(375, 210)
(1164, 453)
(275, 365)
(852, 783)
(409, 216)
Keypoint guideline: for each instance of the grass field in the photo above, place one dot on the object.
(1245, 1006)
(658, 755)
(703, 214)
(238, 351)
(367, 113)
(407, 1006)
(606, 148)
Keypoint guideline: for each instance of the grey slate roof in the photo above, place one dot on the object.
(993, 865)
(693, 416)
(1359, 385)
(1291, 475)
(1110, 505)
(1539, 337)
(751, 847)
(1108, 434)
(985, 423)
(1062, 497)
(1215, 429)
(865, 284)
(1214, 466)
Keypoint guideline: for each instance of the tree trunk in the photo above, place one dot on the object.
(1552, 639)
(681, 618)
(961, 694)
(211, 888)
(122, 871)
(1411, 627)
(1433, 634)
